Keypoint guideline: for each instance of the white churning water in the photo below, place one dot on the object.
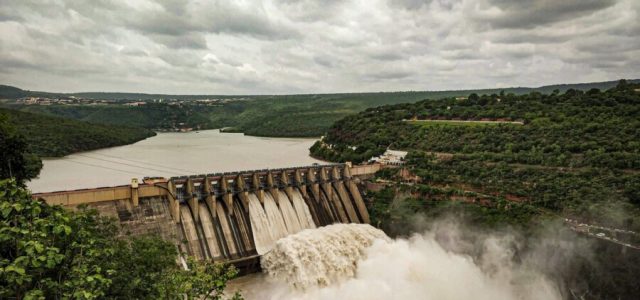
(357, 261)
(321, 256)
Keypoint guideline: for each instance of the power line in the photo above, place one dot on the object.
(99, 166)
(146, 163)
(126, 164)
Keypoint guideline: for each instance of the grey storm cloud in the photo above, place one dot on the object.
(533, 13)
(309, 46)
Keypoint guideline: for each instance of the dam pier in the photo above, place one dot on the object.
(232, 217)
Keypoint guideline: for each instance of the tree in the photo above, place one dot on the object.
(202, 280)
(16, 160)
(47, 252)
(142, 263)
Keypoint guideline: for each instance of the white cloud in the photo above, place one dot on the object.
(290, 46)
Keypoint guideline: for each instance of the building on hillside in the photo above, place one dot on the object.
(390, 157)
(138, 103)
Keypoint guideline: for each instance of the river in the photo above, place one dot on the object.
(171, 154)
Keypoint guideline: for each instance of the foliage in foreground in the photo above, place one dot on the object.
(47, 252)
(17, 160)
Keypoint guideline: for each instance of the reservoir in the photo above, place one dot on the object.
(171, 154)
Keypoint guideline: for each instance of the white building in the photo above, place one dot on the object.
(390, 157)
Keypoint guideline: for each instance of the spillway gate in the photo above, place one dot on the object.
(230, 217)
(226, 217)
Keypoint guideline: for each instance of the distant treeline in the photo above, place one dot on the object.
(278, 115)
(10, 92)
(49, 136)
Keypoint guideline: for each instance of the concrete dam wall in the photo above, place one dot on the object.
(230, 217)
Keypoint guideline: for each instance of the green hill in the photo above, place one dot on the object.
(575, 154)
(274, 115)
(52, 136)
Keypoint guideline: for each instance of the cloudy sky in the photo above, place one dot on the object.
(289, 46)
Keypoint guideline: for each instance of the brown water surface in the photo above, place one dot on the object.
(171, 154)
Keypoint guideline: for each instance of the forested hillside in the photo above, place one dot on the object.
(277, 115)
(52, 136)
(576, 154)
(150, 116)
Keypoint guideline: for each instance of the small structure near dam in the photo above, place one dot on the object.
(230, 217)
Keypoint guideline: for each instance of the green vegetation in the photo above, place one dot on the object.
(52, 136)
(47, 252)
(458, 123)
(577, 155)
(151, 116)
(16, 161)
(276, 115)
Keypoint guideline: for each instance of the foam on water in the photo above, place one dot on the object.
(356, 261)
(320, 256)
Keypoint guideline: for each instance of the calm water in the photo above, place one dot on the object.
(171, 154)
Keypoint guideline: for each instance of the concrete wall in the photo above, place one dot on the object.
(124, 192)
(115, 193)
(362, 170)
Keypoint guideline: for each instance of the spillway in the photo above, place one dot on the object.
(274, 215)
(321, 256)
(260, 226)
(302, 211)
(289, 215)
(237, 216)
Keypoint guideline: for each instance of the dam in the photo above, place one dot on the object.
(232, 217)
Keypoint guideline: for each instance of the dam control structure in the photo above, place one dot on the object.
(230, 217)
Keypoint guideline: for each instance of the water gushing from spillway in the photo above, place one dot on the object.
(355, 261)
(271, 223)
(260, 226)
(288, 213)
(276, 222)
(320, 256)
(302, 210)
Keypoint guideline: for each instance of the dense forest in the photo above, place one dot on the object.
(49, 136)
(158, 116)
(275, 115)
(576, 153)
